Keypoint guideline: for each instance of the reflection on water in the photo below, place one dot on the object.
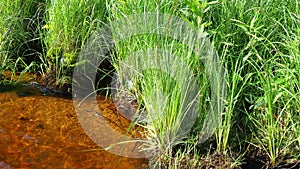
(43, 132)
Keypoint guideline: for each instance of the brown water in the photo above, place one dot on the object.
(43, 132)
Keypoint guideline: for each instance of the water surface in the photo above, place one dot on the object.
(38, 131)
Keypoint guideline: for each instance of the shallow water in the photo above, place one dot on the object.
(39, 131)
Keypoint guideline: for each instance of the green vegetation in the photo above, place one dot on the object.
(68, 24)
(263, 38)
(18, 34)
(258, 44)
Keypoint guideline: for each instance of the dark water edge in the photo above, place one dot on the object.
(32, 89)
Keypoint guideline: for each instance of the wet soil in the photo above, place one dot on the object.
(43, 132)
(257, 159)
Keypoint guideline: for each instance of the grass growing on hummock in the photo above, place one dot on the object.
(170, 80)
(258, 45)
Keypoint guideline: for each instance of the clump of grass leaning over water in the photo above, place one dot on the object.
(160, 94)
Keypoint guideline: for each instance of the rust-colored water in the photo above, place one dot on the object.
(43, 132)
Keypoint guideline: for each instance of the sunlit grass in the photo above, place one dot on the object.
(68, 24)
(167, 91)
(273, 78)
(262, 69)
(258, 45)
(18, 22)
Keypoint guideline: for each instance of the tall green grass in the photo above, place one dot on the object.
(68, 24)
(18, 21)
(161, 90)
(258, 43)
(167, 92)
(262, 39)
(199, 14)
(276, 121)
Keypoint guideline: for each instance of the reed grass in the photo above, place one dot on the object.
(162, 91)
(168, 92)
(68, 24)
(276, 79)
(17, 34)
(258, 44)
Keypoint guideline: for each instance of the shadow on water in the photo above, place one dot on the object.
(38, 131)
(20, 90)
(7, 87)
